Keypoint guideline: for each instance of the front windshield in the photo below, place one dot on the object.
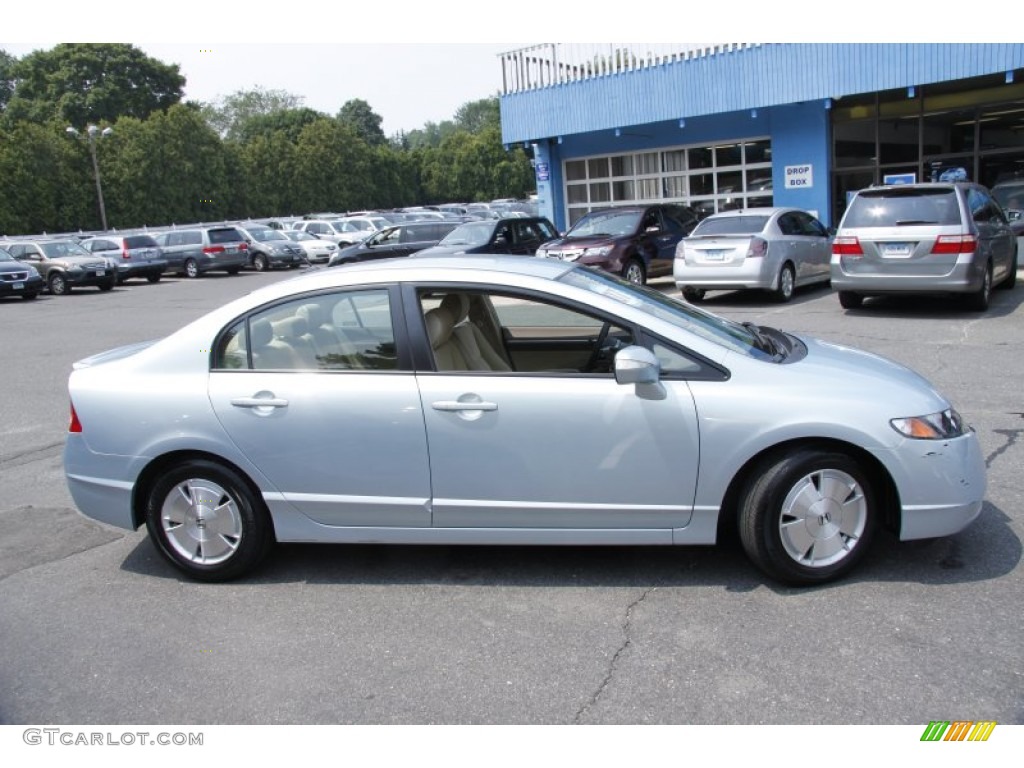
(608, 224)
(5, 256)
(719, 330)
(298, 235)
(60, 250)
(474, 233)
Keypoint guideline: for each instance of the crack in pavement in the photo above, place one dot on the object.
(1011, 435)
(626, 626)
(29, 455)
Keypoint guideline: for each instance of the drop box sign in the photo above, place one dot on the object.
(799, 176)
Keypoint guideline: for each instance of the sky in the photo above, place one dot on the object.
(418, 62)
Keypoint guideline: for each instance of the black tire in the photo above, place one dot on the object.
(30, 296)
(693, 295)
(808, 517)
(58, 284)
(191, 269)
(259, 263)
(233, 270)
(154, 278)
(634, 271)
(850, 300)
(1011, 279)
(207, 522)
(979, 300)
(107, 286)
(785, 284)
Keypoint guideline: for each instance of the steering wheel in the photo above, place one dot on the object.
(595, 356)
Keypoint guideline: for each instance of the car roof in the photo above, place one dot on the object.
(754, 212)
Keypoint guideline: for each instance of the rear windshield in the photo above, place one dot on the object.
(227, 235)
(903, 207)
(731, 225)
(139, 241)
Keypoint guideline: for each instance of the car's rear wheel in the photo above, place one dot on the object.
(1011, 279)
(850, 300)
(693, 295)
(206, 521)
(978, 301)
(154, 278)
(634, 271)
(107, 286)
(233, 270)
(785, 284)
(58, 284)
(191, 268)
(808, 517)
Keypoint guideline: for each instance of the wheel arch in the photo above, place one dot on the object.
(155, 468)
(885, 487)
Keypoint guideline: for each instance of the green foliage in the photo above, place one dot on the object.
(357, 114)
(228, 115)
(82, 83)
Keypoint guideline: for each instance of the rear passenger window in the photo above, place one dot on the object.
(351, 330)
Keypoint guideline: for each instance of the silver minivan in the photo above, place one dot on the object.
(923, 238)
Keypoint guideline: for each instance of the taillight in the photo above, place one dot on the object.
(211, 250)
(75, 425)
(955, 244)
(846, 246)
(125, 255)
(243, 246)
(758, 247)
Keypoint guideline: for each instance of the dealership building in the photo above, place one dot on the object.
(752, 125)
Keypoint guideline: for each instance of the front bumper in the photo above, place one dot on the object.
(19, 287)
(941, 484)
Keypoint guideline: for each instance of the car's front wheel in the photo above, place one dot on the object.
(191, 268)
(809, 516)
(693, 295)
(58, 284)
(205, 519)
(634, 271)
(259, 262)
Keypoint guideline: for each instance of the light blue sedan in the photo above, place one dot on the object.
(501, 400)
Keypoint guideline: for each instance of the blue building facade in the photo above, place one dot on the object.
(750, 125)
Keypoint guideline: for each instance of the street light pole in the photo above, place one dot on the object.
(91, 133)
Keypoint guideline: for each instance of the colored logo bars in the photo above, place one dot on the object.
(958, 730)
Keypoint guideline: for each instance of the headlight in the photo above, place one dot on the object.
(936, 426)
(602, 251)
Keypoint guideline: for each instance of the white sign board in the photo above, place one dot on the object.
(799, 176)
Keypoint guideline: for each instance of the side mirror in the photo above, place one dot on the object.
(638, 366)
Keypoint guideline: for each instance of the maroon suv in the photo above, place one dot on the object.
(636, 242)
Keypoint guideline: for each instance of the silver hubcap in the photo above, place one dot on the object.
(634, 274)
(786, 282)
(823, 518)
(202, 522)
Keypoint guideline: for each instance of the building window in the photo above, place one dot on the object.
(708, 178)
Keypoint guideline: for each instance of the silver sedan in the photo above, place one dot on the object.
(500, 400)
(772, 249)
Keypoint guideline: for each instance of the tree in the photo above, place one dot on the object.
(82, 83)
(288, 122)
(357, 114)
(228, 115)
(7, 64)
(476, 116)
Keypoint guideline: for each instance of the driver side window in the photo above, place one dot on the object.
(508, 333)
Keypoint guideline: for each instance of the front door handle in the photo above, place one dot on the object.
(455, 405)
(259, 402)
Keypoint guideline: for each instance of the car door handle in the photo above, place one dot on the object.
(455, 405)
(259, 402)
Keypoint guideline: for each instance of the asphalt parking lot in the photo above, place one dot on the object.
(96, 628)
